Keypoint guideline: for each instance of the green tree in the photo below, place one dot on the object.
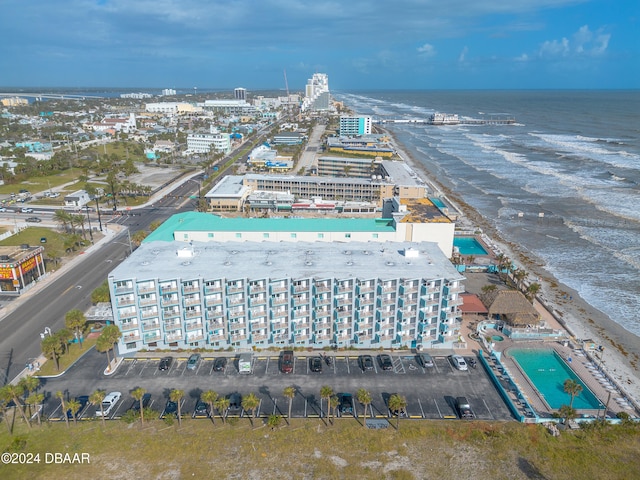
(397, 403)
(35, 400)
(60, 396)
(13, 393)
(567, 413)
(326, 392)
(250, 404)
(222, 405)
(138, 394)
(29, 384)
(573, 388)
(209, 397)
(532, 291)
(138, 237)
(96, 398)
(103, 346)
(177, 395)
(334, 401)
(52, 349)
(101, 294)
(364, 397)
(290, 393)
(110, 336)
(64, 336)
(76, 322)
(74, 406)
(63, 218)
(3, 408)
(274, 421)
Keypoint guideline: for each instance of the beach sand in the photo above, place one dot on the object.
(621, 355)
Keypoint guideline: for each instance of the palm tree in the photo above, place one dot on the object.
(29, 384)
(532, 291)
(210, 397)
(177, 396)
(573, 388)
(250, 403)
(63, 218)
(52, 349)
(36, 399)
(364, 397)
(567, 412)
(138, 237)
(274, 421)
(397, 403)
(75, 321)
(222, 405)
(519, 276)
(74, 406)
(3, 408)
(290, 393)
(325, 392)
(103, 346)
(110, 335)
(138, 394)
(13, 393)
(334, 401)
(64, 336)
(60, 396)
(96, 398)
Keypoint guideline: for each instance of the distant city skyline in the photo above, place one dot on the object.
(407, 44)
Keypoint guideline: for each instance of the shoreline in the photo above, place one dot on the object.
(621, 356)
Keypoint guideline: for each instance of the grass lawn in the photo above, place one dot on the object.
(311, 450)
(40, 184)
(49, 367)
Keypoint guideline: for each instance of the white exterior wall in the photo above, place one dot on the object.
(319, 236)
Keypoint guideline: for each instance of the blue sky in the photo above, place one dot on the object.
(372, 44)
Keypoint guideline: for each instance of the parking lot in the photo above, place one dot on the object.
(430, 391)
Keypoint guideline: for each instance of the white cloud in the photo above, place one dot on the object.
(583, 43)
(522, 58)
(427, 50)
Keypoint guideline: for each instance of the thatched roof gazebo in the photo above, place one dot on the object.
(513, 307)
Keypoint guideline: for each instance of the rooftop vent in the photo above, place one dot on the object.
(186, 263)
(349, 263)
(347, 252)
(366, 252)
(145, 263)
(389, 264)
(227, 263)
(184, 252)
(268, 263)
(411, 253)
(308, 263)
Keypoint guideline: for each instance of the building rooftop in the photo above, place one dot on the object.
(202, 222)
(422, 210)
(229, 186)
(315, 180)
(234, 260)
(401, 173)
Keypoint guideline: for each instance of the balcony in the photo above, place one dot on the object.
(152, 336)
(150, 325)
(257, 288)
(279, 313)
(131, 337)
(278, 289)
(235, 300)
(172, 325)
(193, 325)
(146, 289)
(323, 301)
(388, 288)
(232, 290)
(173, 337)
(257, 301)
(208, 289)
(323, 336)
(344, 313)
(258, 337)
(281, 337)
(148, 301)
(388, 301)
(363, 290)
(192, 301)
(170, 314)
(344, 289)
(168, 289)
(259, 325)
(322, 288)
(149, 313)
(167, 302)
(125, 302)
(195, 337)
(190, 288)
(279, 325)
(344, 301)
(128, 326)
(216, 337)
(128, 313)
(124, 289)
(300, 288)
(406, 290)
(301, 337)
(237, 337)
(343, 323)
(386, 336)
(279, 300)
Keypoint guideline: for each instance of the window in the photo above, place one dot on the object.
(375, 235)
(347, 235)
(321, 235)
(294, 235)
(265, 235)
(238, 235)
(210, 235)
(185, 236)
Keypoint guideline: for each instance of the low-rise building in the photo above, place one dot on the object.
(20, 267)
(77, 199)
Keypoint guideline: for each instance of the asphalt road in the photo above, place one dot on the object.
(20, 330)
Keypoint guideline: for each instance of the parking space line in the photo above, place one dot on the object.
(347, 360)
(421, 409)
(396, 370)
(212, 365)
(437, 407)
(488, 409)
(131, 365)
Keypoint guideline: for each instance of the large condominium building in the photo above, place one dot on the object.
(317, 96)
(240, 93)
(172, 108)
(235, 107)
(355, 126)
(170, 295)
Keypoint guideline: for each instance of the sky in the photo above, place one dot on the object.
(360, 45)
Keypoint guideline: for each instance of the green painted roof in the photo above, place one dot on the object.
(205, 222)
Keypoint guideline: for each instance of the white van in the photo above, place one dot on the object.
(108, 403)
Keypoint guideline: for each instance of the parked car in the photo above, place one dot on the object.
(82, 400)
(385, 361)
(366, 362)
(3, 209)
(108, 403)
(192, 363)
(33, 220)
(171, 408)
(315, 364)
(26, 210)
(201, 410)
(235, 401)
(286, 361)
(425, 360)
(458, 362)
(220, 364)
(464, 408)
(165, 363)
(54, 195)
(146, 399)
(345, 404)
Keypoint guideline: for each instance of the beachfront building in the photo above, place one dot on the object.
(172, 108)
(317, 96)
(330, 166)
(398, 227)
(172, 295)
(353, 126)
(369, 145)
(230, 107)
(20, 267)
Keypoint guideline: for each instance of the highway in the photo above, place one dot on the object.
(20, 330)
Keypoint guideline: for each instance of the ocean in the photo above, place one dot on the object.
(563, 182)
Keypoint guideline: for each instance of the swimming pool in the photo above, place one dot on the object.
(548, 372)
(468, 246)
